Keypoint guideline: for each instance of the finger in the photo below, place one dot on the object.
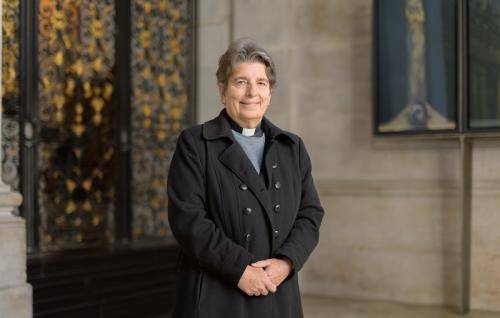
(271, 274)
(270, 286)
(263, 263)
(274, 280)
(274, 288)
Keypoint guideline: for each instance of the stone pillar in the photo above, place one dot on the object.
(213, 36)
(15, 292)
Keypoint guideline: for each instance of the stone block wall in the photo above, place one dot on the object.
(392, 224)
(15, 293)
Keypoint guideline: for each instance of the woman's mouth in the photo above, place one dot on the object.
(247, 103)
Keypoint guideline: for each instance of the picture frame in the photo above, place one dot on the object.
(416, 67)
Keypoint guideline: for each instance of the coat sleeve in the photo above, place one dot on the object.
(196, 233)
(304, 235)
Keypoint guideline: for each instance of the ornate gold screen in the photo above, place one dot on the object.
(75, 116)
(75, 153)
(10, 93)
(159, 103)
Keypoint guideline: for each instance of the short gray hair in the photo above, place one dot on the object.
(244, 50)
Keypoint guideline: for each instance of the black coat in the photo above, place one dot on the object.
(225, 216)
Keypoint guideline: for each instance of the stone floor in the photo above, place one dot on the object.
(322, 307)
(319, 307)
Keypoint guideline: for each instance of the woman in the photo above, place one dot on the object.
(242, 202)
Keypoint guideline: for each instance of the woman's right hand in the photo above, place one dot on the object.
(255, 282)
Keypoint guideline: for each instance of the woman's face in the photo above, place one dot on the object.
(247, 94)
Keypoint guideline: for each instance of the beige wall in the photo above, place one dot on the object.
(391, 229)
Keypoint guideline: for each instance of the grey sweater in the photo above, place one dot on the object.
(253, 147)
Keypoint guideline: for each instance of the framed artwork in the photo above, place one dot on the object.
(416, 66)
(484, 64)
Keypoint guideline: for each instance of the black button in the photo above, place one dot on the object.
(276, 233)
(247, 211)
(277, 185)
(248, 237)
(275, 165)
(277, 208)
(243, 187)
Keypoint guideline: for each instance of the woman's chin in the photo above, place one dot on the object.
(251, 116)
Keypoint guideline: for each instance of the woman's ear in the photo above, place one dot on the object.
(222, 92)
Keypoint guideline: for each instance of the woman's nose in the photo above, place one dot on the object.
(251, 89)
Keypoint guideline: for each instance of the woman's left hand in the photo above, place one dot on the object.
(277, 269)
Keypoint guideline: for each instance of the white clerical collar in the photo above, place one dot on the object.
(248, 132)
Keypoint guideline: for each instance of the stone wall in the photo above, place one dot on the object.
(213, 35)
(485, 226)
(392, 224)
(15, 293)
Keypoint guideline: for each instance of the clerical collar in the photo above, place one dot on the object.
(249, 132)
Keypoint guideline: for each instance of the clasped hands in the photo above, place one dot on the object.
(265, 276)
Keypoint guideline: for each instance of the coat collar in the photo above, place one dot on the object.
(219, 127)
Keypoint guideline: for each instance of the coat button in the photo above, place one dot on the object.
(277, 208)
(275, 165)
(243, 187)
(276, 233)
(248, 237)
(247, 211)
(277, 185)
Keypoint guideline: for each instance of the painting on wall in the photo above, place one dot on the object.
(484, 64)
(416, 66)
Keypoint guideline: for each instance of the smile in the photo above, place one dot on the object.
(249, 103)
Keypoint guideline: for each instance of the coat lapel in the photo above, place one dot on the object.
(235, 159)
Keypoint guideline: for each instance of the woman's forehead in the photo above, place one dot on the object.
(249, 69)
